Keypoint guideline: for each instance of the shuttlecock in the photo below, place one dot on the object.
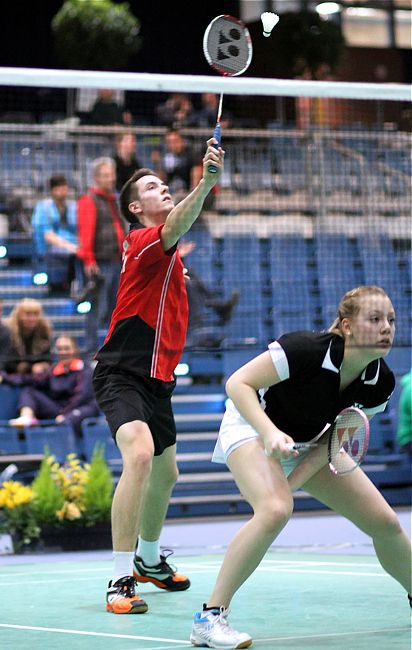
(269, 20)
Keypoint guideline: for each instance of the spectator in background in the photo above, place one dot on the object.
(176, 165)
(180, 168)
(177, 111)
(106, 111)
(19, 216)
(54, 225)
(404, 431)
(64, 392)
(5, 339)
(31, 338)
(206, 116)
(101, 232)
(125, 158)
(200, 297)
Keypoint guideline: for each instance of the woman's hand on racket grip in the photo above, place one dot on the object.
(279, 445)
(213, 157)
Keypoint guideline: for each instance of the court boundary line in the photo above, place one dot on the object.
(37, 628)
(334, 635)
(185, 643)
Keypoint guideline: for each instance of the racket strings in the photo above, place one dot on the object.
(227, 46)
(348, 442)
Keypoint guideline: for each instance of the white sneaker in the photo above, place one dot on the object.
(23, 421)
(211, 629)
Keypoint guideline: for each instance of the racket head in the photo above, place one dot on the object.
(348, 440)
(227, 45)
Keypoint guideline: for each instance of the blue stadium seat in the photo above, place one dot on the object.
(203, 257)
(59, 439)
(11, 440)
(255, 168)
(96, 431)
(288, 258)
(9, 397)
(338, 267)
(241, 261)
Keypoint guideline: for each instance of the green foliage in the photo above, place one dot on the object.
(98, 489)
(303, 43)
(48, 497)
(95, 34)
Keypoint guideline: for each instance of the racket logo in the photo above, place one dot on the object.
(231, 49)
(347, 442)
(227, 45)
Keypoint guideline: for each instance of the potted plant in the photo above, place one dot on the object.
(16, 514)
(67, 505)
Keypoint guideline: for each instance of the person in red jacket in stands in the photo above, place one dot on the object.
(101, 232)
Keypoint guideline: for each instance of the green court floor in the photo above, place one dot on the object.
(294, 601)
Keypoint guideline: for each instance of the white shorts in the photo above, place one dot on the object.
(235, 431)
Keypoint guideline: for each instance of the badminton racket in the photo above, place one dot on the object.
(348, 440)
(227, 47)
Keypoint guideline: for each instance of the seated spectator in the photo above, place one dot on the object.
(180, 168)
(18, 216)
(106, 111)
(176, 164)
(64, 392)
(31, 338)
(125, 158)
(199, 297)
(404, 431)
(5, 340)
(54, 224)
(206, 116)
(177, 111)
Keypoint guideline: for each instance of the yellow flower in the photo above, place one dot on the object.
(69, 511)
(14, 493)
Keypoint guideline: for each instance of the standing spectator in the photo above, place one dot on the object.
(101, 232)
(125, 158)
(31, 338)
(404, 431)
(54, 224)
(63, 393)
(106, 111)
(134, 378)
(5, 339)
(177, 111)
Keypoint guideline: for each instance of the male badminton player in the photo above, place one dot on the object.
(311, 378)
(134, 377)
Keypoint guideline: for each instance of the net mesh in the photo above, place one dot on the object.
(315, 198)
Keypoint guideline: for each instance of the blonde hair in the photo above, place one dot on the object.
(98, 163)
(42, 332)
(349, 305)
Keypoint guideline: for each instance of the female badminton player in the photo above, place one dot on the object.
(289, 394)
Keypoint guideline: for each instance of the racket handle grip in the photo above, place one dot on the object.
(217, 134)
(292, 446)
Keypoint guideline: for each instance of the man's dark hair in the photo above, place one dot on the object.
(57, 180)
(128, 193)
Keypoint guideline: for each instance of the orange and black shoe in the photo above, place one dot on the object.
(163, 575)
(121, 597)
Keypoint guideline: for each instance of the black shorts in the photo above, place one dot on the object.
(124, 397)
